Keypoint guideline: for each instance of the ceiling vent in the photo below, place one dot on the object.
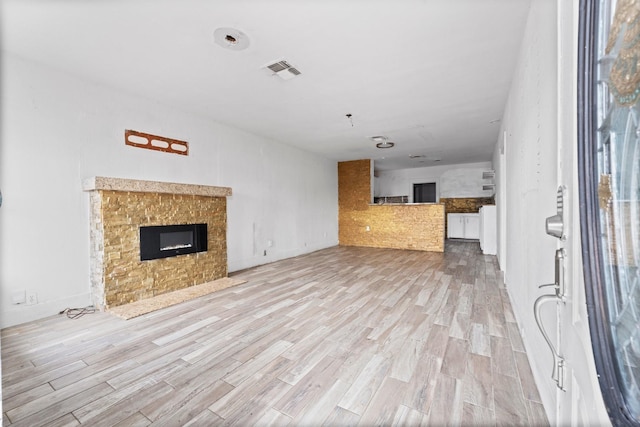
(283, 69)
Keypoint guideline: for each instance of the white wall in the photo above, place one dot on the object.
(463, 180)
(527, 159)
(531, 125)
(57, 130)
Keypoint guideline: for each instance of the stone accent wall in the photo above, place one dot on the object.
(117, 274)
(354, 185)
(466, 204)
(417, 227)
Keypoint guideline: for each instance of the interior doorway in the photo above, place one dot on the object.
(424, 193)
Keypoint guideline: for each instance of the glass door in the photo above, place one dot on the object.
(609, 169)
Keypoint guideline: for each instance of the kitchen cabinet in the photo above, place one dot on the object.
(463, 226)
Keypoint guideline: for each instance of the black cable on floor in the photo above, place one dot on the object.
(74, 313)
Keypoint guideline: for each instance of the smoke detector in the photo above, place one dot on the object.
(283, 69)
(231, 38)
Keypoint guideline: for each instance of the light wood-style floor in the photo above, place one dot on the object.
(343, 336)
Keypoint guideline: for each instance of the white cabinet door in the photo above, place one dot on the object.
(471, 226)
(455, 226)
(463, 226)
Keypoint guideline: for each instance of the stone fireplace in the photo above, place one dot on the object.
(121, 208)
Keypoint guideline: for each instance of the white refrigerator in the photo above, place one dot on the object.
(488, 230)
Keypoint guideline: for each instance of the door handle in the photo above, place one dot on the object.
(557, 373)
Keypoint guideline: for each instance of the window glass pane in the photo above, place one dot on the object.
(618, 150)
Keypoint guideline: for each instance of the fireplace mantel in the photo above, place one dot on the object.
(134, 185)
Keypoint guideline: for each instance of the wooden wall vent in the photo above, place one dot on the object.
(155, 142)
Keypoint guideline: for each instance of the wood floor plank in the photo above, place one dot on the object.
(45, 376)
(77, 389)
(185, 331)
(342, 336)
(437, 340)
(26, 396)
(478, 381)
(537, 415)
(361, 392)
(129, 406)
(273, 418)
(503, 359)
(205, 418)
(67, 420)
(135, 420)
(454, 362)
(42, 411)
(406, 416)
(177, 411)
(107, 402)
(526, 377)
(233, 401)
(253, 366)
(316, 413)
(341, 417)
(447, 405)
(480, 341)
(385, 403)
(510, 404)
(420, 391)
(473, 415)
(404, 364)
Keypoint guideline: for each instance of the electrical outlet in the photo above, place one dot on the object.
(32, 298)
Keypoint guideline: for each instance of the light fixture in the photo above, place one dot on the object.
(385, 144)
(231, 38)
(382, 142)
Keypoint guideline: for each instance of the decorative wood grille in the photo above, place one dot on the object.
(155, 142)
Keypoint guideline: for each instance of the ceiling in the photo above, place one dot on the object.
(430, 75)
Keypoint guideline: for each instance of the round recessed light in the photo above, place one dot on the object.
(381, 141)
(231, 38)
(385, 144)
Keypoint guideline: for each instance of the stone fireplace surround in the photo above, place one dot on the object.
(120, 206)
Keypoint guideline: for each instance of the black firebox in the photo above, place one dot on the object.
(164, 241)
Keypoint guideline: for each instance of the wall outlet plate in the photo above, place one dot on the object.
(32, 297)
